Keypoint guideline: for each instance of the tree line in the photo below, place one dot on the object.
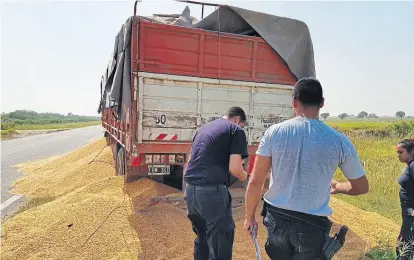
(28, 117)
(363, 114)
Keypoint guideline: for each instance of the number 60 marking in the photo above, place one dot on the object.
(160, 119)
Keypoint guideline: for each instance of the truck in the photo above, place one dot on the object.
(170, 74)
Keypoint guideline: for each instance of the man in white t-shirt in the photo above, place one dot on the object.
(303, 154)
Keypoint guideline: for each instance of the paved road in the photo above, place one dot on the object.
(35, 148)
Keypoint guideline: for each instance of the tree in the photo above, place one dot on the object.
(372, 115)
(325, 115)
(400, 114)
(362, 114)
(343, 115)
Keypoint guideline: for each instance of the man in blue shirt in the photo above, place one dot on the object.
(303, 154)
(217, 154)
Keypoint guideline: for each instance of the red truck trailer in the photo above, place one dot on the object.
(169, 75)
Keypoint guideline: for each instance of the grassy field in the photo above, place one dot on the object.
(375, 143)
(360, 125)
(14, 123)
(383, 169)
(10, 133)
(378, 156)
(57, 126)
(379, 128)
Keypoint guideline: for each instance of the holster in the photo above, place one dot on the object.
(334, 244)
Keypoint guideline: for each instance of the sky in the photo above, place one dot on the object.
(53, 53)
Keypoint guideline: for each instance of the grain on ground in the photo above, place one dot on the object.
(60, 175)
(85, 193)
(59, 229)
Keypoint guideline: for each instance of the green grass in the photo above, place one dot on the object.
(380, 253)
(377, 128)
(375, 143)
(56, 126)
(383, 169)
(10, 133)
(359, 125)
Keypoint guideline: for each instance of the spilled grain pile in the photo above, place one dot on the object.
(60, 175)
(60, 229)
(91, 214)
(166, 233)
(87, 217)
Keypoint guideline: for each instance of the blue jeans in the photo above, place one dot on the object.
(292, 239)
(210, 212)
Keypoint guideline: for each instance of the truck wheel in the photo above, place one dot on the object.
(120, 162)
(175, 179)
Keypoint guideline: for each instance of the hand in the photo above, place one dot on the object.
(334, 189)
(244, 177)
(248, 224)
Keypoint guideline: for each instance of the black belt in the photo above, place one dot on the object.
(206, 187)
(318, 221)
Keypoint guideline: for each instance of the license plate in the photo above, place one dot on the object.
(158, 169)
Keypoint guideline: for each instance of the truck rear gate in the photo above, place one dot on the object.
(181, 78)
(174, 107)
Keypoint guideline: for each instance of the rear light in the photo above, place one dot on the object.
(180, 158)
(156, 159)
(164, 159)
(135, 161)
(135, 158)
(134, 150)
(171, 158)
(148, 158)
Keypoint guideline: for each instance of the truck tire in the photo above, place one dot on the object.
(175, 179)
(120, 162)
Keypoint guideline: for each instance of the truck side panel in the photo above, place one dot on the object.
(201, 53)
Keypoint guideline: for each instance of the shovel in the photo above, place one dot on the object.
(253, 232)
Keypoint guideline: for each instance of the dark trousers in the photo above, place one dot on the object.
(210, 212)
(291, 238)
(405, 247)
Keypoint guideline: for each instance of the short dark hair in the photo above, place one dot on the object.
(308, 91)
(236, 111)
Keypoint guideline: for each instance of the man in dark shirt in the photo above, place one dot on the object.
(217, 153)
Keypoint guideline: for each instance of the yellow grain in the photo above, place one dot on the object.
(60, 175)
(83, 194)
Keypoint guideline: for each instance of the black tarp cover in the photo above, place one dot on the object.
(290, 38)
